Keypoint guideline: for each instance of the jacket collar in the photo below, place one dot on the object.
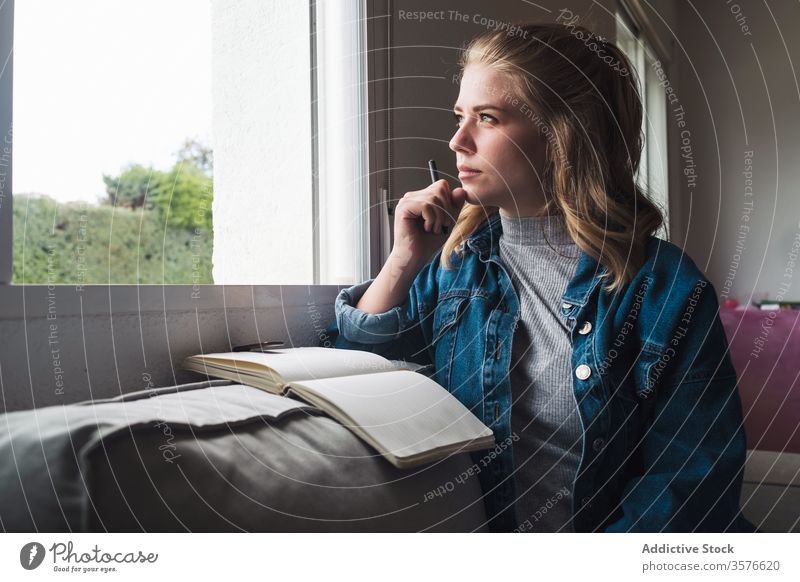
(484, 242)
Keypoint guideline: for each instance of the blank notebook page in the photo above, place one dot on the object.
(406, 412)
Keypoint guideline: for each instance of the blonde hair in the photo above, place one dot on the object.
(590, 110)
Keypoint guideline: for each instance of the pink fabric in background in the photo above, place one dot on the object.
(768, 379)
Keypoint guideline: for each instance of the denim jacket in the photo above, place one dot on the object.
(663, 437)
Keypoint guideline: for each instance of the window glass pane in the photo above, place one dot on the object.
(652, 174)
(629, 44)
(113, 162)
(341, 139)
(657, 161)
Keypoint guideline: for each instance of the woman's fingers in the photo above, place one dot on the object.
(429, 216)
(445, 215)
(444, 206)
(433, 205)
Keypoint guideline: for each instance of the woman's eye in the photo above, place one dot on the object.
(481, 116)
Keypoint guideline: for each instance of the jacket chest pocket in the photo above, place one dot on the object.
(631, 407)
(446, 317)
(635, 377)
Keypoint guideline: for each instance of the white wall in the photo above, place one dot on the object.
(262, 142)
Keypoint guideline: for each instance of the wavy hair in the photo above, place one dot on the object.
(587, 103)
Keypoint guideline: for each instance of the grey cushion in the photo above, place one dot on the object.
(304, 473)
(216, 456)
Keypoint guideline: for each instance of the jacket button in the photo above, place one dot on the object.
(598, 444)
(583, 372)
(585, 328)
(566, 306)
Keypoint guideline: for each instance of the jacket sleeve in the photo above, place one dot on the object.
(692, 449)
(400, 333)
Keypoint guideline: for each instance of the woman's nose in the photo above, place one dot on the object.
(462, 141)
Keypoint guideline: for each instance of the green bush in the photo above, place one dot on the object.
(133, 187)
(183, 195)
(77, 243)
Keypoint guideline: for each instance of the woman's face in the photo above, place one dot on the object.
(497, 136)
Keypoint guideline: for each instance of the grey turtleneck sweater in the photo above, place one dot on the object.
(541, 258)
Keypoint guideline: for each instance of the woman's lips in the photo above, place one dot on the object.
(467, 173)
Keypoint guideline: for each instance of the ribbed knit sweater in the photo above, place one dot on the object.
(541, 258)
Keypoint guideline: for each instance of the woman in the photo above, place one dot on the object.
(593, 349)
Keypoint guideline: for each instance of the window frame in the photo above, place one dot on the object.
(6, 148)
(379, 111)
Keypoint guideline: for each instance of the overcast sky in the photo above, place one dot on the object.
(99, 84)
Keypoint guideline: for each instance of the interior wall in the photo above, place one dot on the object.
(64, 344)
(739, 88)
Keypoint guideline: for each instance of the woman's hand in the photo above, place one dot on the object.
(418, 221)
(419, 217)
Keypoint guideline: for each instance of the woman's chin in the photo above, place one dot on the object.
(477, 197)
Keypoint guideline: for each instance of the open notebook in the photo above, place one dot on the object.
(405, 415)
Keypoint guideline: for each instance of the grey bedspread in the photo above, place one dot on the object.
(216, 456)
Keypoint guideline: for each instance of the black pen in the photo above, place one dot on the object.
(434, 171)
(258, 347)
(435, 178)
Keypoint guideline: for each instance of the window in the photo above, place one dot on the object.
(653, 169)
